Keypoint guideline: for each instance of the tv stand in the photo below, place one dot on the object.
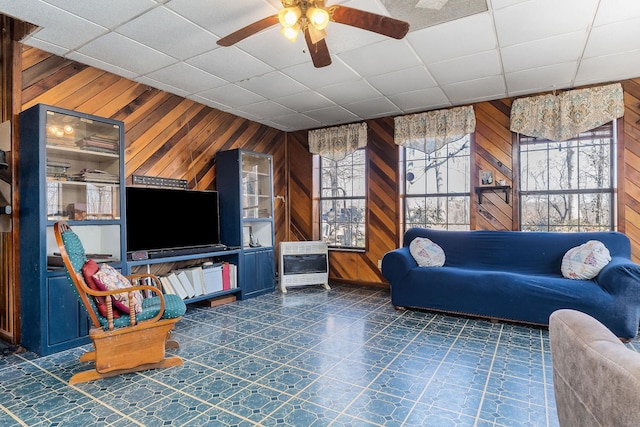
(170, 260)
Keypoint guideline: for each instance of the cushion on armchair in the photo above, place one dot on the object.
(108, 278)
(88, 270)
(174, 307)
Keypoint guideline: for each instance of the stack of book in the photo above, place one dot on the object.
(95, 175)
(57, 169)
(196, 281)
(100, 143)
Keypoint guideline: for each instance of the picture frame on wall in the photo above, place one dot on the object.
(486, 178)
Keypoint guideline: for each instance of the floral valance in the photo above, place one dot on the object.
(563, 116)
(337, 142)
(430, 131)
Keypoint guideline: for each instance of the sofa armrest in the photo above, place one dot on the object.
(396, 264)
(621, 277)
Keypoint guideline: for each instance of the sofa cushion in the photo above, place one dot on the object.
(584, 262)
(426, 253)
(109, 278)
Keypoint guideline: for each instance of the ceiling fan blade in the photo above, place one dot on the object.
(247, 31)
(380, 24)
(319, 51)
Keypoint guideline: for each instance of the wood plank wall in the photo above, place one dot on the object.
(492, 149)
(173, 137)
(630, 164)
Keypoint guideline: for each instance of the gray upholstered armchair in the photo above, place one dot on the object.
(596, 377)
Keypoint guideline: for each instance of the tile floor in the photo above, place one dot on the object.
(310, 357)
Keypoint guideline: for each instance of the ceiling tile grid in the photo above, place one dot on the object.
(467, 51)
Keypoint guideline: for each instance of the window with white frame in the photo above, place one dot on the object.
(437, 193)
(343, 201)
(568, 185)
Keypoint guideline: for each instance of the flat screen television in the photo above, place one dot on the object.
(165, 219)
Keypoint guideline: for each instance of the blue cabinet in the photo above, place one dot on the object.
(244, 180)
(70, 168)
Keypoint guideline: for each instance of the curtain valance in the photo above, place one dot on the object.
(430, 131)
(338, 142)
(560, 117)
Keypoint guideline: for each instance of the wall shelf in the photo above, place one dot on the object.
(505, 188)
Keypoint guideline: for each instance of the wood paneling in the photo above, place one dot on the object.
(630, 165)
(170, 136)
(165, 135)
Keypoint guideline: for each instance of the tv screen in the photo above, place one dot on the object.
(163, 218)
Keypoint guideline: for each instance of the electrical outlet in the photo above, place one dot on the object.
(380, 264)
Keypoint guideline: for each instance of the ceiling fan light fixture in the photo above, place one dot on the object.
(319, 18)
(291, 32)
(289, 16)
(316, 35)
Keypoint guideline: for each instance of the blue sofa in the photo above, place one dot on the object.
(516, 276)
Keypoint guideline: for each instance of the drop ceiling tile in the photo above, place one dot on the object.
(345, 93)
(304, 102)
(535, 19)
(555, 76)
(608, 39)
(616, 10)
(230, 63)
(109, 14)
(231, 95)
(54, 23)
(272, 48)
(163, 86)
(475, 90)
(543, 52)
(209, 102)
(266, 110)
(472, 67)
(101, 65)
(453, 39)
(176, 36)
(125, 53)
(223, 18)
(608, 68)
(315, 78)
(272, 85)
(371, 108)
(421, 100)
(332, 116)
(384, 57)
(343, 38)
(402, 81)
(34, 41)
(187, 77)
(294, 122)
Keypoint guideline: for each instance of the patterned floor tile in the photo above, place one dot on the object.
(310, 357)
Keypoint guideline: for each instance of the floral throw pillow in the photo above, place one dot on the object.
(111, 279)
(584, 262)
(426, 253)
(88, 270)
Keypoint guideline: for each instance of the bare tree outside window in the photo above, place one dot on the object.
(343, 201)
(568, 185)
(437, 184)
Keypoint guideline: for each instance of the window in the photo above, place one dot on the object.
(437, 184)
(343, 201)
(568, 185)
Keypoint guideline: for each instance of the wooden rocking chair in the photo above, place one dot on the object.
(132, 342)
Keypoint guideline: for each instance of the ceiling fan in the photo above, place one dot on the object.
(311, 17)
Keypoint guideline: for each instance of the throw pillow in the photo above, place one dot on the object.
(88, 270)
(584, 262)
(111, 279)
(426, 253)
